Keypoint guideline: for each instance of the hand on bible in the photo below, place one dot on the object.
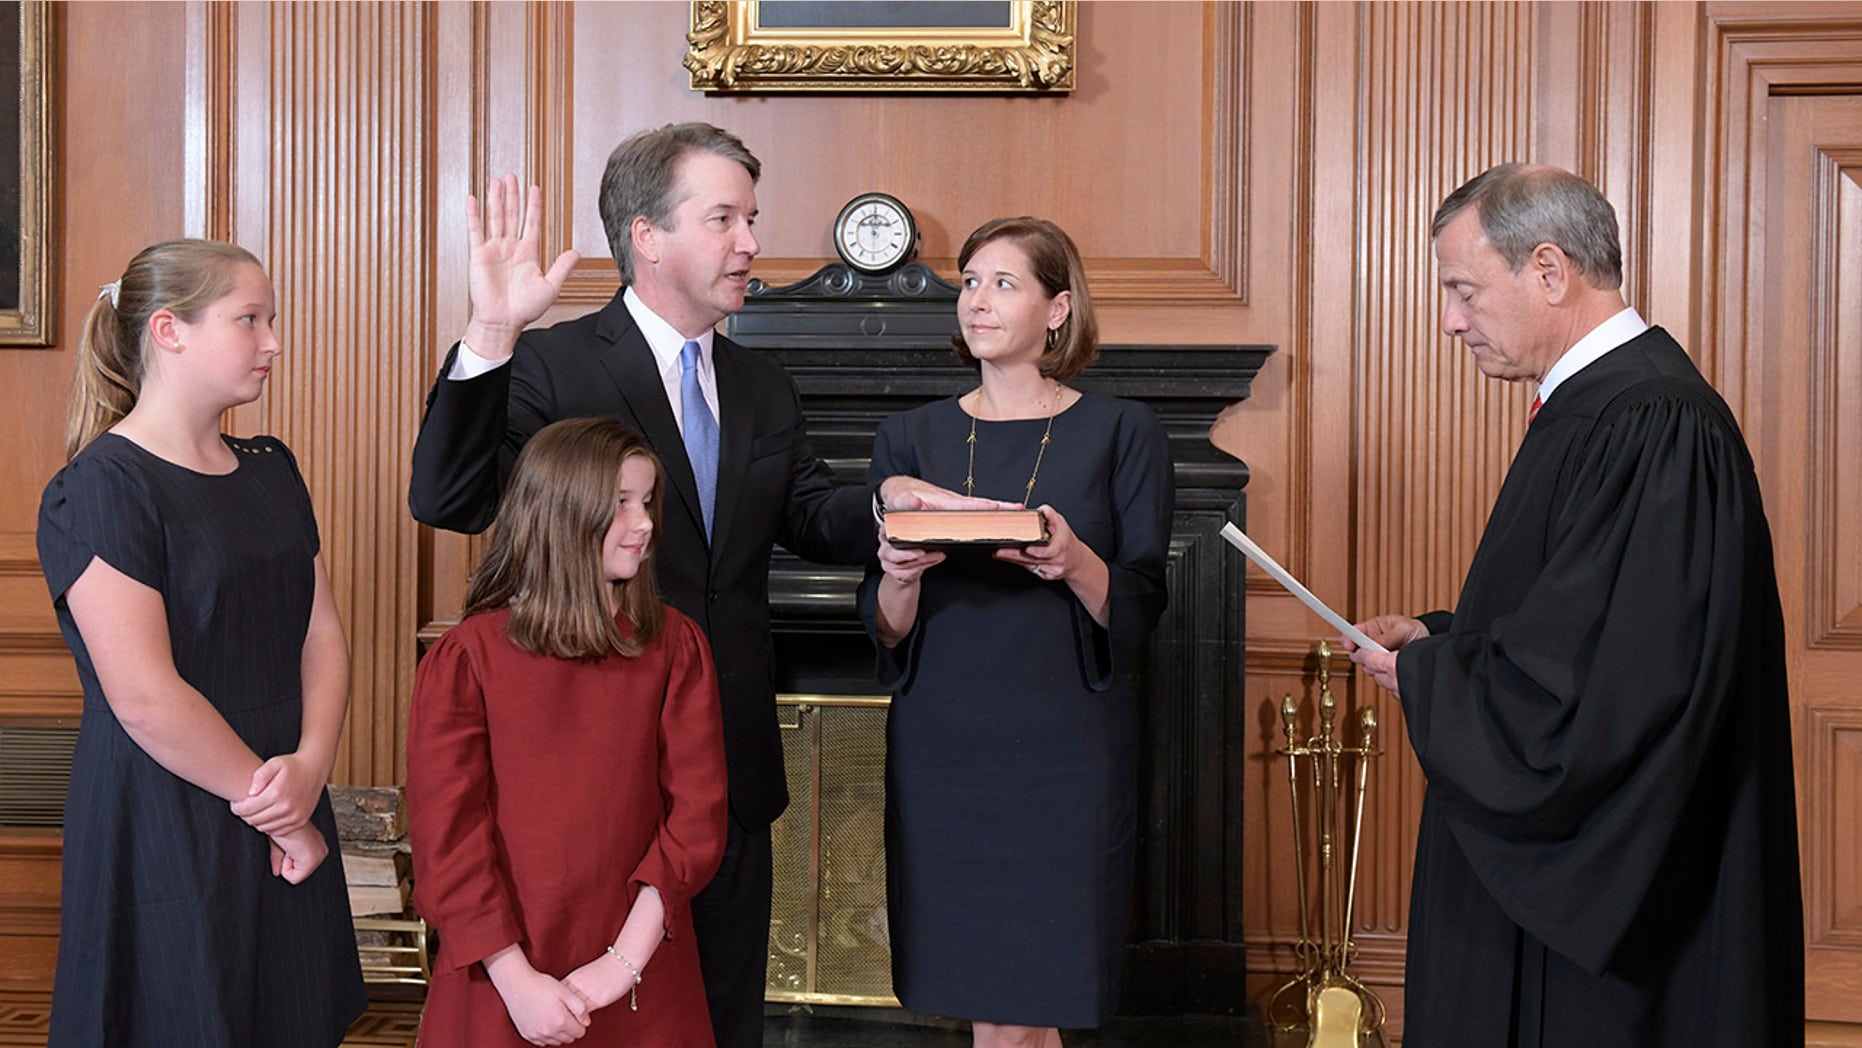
(1057, 558)
(508, 287)
(1392, 631)
(904, 566)
(904, 492)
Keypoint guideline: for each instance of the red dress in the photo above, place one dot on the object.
(542, 793)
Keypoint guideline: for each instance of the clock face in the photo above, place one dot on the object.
(874, 233)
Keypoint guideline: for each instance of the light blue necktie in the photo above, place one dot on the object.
(701, 432)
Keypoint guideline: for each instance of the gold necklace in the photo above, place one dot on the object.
(969, 478)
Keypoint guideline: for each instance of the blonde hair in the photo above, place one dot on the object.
(544, 557)
(182, 276)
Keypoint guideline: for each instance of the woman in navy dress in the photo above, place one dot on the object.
(203, 903)
(1012, 735)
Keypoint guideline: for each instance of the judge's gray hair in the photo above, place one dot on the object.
(1521, 207)
(642, 175)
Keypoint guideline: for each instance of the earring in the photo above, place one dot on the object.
(1053, 338)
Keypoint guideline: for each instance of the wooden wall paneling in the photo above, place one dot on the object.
(1446, 93)
(117, 193)
(1676, 194)
(1294, 431)
(1800, 350)
(38, 680)
(330, 132)
(1440, 93)
(28, 907)
(1157, 233)
(208, 180)
(1617, 60)
(960, 160)
(1783, 89)
(460, 40)
(511, 109)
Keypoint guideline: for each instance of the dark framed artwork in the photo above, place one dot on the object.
(750, 46)
(28, 282)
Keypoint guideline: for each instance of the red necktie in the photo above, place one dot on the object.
(1534, 413)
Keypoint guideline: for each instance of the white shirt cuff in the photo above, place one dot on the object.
(467, 364)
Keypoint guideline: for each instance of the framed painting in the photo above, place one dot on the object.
(28, 272)
(750, 46)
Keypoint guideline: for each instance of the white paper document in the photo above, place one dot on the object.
(1258, 555)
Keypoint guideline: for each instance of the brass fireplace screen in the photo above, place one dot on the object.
(828, 941)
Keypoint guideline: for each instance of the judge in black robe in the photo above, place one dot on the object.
(1608, 847)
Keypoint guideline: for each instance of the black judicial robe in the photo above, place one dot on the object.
(1608, 847)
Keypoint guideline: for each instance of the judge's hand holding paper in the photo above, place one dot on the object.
(1354, 638)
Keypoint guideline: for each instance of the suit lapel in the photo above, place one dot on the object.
(736, 422)
(630, 362)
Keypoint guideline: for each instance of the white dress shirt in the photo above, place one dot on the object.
(662, 338)
(1603, 338)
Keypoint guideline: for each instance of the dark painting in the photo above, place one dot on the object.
(854, 14)
(9, 155)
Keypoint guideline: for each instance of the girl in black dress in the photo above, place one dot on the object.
(202, 901)
(1012, 735)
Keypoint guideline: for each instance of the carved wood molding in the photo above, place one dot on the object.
(1833, 618)
(1832, 896)
(1298, 505)
(1749, 59)
(19, 553)
(211, 68)
(1617, 57)
(1227, 204)
(550, 134)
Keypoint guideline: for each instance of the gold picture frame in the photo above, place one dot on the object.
(28, 271)
(735, 50)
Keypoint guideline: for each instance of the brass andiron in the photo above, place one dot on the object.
(1325, 998)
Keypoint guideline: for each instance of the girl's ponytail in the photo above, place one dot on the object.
(181, 276)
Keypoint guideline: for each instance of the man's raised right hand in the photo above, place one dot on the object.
(508, 286)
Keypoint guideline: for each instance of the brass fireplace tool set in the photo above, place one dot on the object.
(1325, 998)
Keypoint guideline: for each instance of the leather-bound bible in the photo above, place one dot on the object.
(917, 528)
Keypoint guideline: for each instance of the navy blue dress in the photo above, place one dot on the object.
(1013, 731)
(173, 929)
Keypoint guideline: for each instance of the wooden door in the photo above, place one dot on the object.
(1802, 372)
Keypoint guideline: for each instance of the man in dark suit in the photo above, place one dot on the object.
(678, 204)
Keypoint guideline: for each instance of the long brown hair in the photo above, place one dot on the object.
(544, 557)
(1073, 346)
(182, 276)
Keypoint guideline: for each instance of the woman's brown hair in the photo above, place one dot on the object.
(1073, 346)
(544, 556)
(182, 276)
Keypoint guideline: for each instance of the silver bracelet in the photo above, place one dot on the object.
(633, 992)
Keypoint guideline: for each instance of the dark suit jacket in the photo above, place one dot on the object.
(771, 488)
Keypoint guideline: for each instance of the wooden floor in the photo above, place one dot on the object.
(392, 1024)
(388, 1024)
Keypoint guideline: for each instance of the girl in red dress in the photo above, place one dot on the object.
(565, 770)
